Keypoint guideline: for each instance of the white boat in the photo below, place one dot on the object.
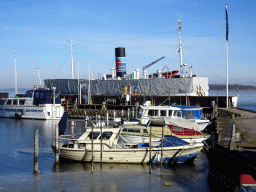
(182, 116)
(88, 150)
(36, 104)
(140, 133)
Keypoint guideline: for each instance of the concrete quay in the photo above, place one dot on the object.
(229, 157)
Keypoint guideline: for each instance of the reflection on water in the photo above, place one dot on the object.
(17, 158)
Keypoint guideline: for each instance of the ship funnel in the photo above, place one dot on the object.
(120, 62)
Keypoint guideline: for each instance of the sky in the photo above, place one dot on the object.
(38, 32)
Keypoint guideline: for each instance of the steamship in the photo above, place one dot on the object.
(157, 87)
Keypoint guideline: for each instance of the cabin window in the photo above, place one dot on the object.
(41, 95)
(153, 112)
(189, 114)
(163, 113)
(125, 130)
(15, 102)
(22, 102)
(170, 112)
(9, 102)
(95, 135)
(106, 135)
(36, 95)
(177, 113)
(132, 130)
(145, 131)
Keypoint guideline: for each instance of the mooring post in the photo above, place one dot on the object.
(162, 144)
(150, 151)
(128, 114)
(56, 144)
(72, 129)
(36, 150)
(122, 117)
(114, 114)
(107, 118)
(101, 145)
(232, 144)
(92, 148)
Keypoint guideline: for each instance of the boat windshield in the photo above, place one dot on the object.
(177, 114)
(29, 93)
(190, 114)
(106, 135)
(95, 135)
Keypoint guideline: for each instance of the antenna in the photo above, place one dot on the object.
(180, 49)
(39, 76)
(72, 64)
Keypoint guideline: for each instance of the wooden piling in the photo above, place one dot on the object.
(56, 144)
(150, 151)
(107, 118)
(162, 144)
(72, 129)
(92, 149)
(36, 150)
(101, 145)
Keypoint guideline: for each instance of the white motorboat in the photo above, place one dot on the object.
(138, 133)
(36, 104)
(182, 116)
(92, 145)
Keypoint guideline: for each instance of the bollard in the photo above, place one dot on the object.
(36, 149)
(56, 144)
(72, 129)
(232, 144)
(233, 131)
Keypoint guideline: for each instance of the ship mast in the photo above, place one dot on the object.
(72, 64)
(180, 49)
(16, 86)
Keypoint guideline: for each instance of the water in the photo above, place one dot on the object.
(246, 99)
(17, 154)
(17, 158)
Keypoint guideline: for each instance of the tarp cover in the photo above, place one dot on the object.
(151, 87)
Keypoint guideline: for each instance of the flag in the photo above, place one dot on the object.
(226, 23)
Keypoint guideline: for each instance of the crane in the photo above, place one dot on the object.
(149, 65)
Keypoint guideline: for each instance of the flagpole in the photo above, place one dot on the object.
(227, 51)
(227, 70)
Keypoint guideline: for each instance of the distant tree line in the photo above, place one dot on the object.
(231, 87)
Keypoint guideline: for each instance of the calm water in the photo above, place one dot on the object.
(17, 155)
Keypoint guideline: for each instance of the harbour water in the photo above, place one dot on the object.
(17, 160)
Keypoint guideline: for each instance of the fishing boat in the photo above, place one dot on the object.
(131, 133)
(97, 144)
(39, 103)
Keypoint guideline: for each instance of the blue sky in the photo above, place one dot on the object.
(38, 32)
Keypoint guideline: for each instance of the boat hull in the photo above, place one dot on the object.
(177, 154)
(31, 112)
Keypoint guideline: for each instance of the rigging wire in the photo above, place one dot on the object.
(205, 63)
